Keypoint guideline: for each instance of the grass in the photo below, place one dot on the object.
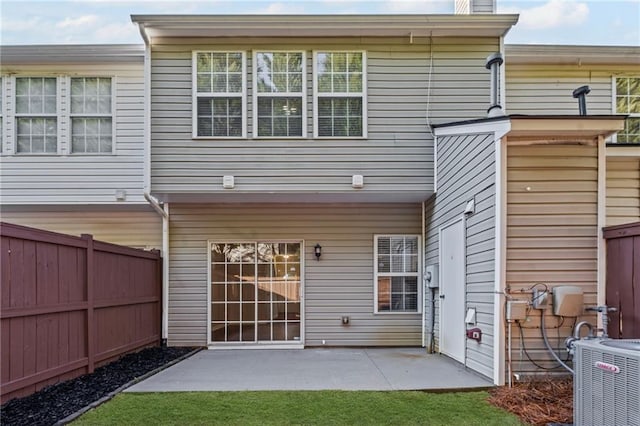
(301, 407)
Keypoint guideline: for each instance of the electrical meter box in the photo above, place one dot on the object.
(431, 276)
(568, 301)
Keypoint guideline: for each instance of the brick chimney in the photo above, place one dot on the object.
(472, 7)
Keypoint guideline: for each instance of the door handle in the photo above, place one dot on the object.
(441, 296)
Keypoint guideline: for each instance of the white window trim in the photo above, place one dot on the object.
(256, 95)
(71, 116)
(396, 274)
(57, 115)
(334, 95)
(195, 95)
(614, 102)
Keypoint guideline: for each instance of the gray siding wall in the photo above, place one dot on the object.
(341, 283)
(547, 89)
(140, 229)
(466, 170)
(396, 157)
(77, 178)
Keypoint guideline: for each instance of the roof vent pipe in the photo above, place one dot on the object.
(493, 64)
(581, 94)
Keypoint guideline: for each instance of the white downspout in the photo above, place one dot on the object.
(424, 280)
(163, 211)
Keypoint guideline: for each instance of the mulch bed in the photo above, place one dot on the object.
(537, 402)
(58, 401)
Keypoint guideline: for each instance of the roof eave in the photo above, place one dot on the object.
(324, 25)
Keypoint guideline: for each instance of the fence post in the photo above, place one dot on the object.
(91, 347)
(160, 292)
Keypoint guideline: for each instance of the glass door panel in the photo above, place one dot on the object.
(255, 292)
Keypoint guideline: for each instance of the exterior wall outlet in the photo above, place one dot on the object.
(345, 320)
(357, 181)
(474, 334)
(121, 194)
(228, 182)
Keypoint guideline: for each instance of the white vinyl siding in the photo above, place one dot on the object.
(406, 92)
(466, 170)
(279, 95)
(78, 179)
(36, 109)
(627, 101)
(397, 273)
(91, 115)
(339, 284)
(134, 228)
(219, 81)
(340, 103)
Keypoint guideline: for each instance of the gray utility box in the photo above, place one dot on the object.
(568, 301)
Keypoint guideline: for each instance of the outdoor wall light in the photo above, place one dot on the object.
(317, 250)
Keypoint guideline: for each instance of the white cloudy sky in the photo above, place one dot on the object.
(607, 22)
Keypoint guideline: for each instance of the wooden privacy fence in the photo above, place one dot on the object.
(623, 279)
(69, 304)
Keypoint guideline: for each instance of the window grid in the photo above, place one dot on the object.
(219, 94)
(91, 101)
(397, 274)
(36, 115)
(339, 84)
(627, 101)
(280, 83)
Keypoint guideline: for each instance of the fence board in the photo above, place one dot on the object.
(623, 279)
(68, 304)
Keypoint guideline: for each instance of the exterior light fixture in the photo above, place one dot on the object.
(317, 250)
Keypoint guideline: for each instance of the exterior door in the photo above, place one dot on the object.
(255, 292)
(452, 293)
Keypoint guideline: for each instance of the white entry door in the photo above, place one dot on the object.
(452, 294)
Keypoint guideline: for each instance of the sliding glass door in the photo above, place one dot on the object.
(255, 291)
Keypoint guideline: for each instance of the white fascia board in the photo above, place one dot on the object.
(498, 127)
(623, 151)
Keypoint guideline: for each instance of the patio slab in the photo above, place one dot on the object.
(313, 369)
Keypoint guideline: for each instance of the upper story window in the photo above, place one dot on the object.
(397, 272)
(279, 94)
(339, 98)
(628, 102)
(36, 115)
(91, 115)
(220, 92)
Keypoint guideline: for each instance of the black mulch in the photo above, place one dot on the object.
(58, 401)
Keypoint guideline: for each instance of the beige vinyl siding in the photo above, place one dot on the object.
(81, 178)
(551, 235)
(623, 190)
(547, 89)
(140, 229)
(396, 157)
(340, 283)
(466, 171)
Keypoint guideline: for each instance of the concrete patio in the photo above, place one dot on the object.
(313, 369)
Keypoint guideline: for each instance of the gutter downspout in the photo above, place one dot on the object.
(424, 281)
(163, 211)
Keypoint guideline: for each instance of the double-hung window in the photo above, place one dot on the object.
(397, 273)
(36, 115)
(91, 115)
(279, 82)
(628, 102)
(220, 88)
(339, 98)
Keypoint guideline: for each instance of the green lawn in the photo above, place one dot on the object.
(307, 408)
